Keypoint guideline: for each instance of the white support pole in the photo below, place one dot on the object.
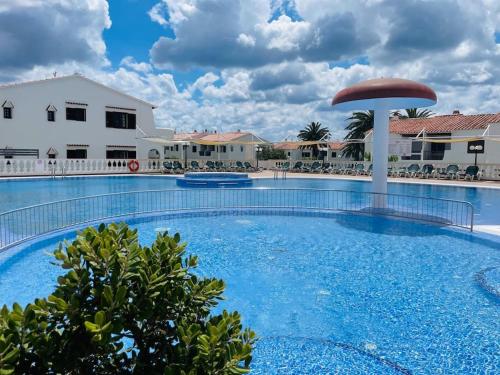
(380, 152)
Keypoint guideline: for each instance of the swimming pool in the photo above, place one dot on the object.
(327, 292)
(336, 293)
(21, 193)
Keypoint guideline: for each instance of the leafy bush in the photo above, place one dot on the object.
(122, 308)
(269, 153)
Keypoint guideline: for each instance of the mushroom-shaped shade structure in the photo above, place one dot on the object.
(381, 95)
(395, 93)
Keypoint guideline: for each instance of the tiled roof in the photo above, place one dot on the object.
(286, 146)
(443, 124)
(335, 145)
(188, 136)
(223, 137)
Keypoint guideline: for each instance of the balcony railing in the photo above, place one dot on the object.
(29, 222)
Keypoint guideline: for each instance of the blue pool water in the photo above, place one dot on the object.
(214, 180)
(339, 294)
(16, 194)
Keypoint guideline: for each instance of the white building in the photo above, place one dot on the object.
(294, 151)
(214, 146)
(74, 117)
(426, 138)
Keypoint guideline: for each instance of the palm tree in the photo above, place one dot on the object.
(360, 123)
(413, 113)
(314, 132)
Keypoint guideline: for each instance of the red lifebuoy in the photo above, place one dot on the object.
(133, 165)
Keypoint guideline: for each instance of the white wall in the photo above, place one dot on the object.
(458, 151)
(233, 151)
(29, 127)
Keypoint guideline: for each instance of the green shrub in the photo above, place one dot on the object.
(122, 308)
(269, 153)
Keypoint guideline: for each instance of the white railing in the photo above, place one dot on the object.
(59, 167)
(25, 223)
(66, 167)
(488, 171)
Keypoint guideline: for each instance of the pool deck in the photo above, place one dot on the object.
(404, 180)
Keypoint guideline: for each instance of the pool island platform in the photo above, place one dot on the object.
(214, 180)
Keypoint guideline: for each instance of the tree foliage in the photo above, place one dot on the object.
(359, 124)
(314, 132)
(269, 153)
(123, 308)
(413, 113)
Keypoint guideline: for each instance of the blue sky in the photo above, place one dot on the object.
(268, 66)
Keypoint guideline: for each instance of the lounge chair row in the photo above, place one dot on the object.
(210, 166)
(452, 171)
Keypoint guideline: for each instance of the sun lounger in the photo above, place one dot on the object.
(325, 168)
(297, 167)
(359, 169)
(315, 167)
(412, 170)
(177, 167)
(249, 167)
(195, 166)
(451, 172)
(399, 172)
(471, 172)
(427, 171)
(209, 165)
(167, 167)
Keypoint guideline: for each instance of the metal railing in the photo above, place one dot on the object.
(26, 223)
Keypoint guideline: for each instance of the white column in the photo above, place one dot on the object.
(380, 152)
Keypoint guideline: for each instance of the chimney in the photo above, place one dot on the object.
(456, 112)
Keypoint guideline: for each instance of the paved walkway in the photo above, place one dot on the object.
(430, 181)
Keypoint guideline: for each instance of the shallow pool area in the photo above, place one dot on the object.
(329, 293)
(17, 193)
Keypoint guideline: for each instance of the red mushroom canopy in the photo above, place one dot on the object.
(394, 93)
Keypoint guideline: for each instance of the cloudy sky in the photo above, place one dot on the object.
(269, 66)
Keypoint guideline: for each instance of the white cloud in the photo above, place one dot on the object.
(172, 12)
(284, 34)
(246, 40)
(40, 32)
(273, 74)
(141, 67)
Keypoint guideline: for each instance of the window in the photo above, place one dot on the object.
(79, 153)
(53, 156)
(51, 116)
(176, 147)
(76, 114)
(416, 147)
(120, 120)
(121, 154)
(194, 149)
(222, 149)
(306, 154)
(241, 148)
(7, 112)
(334, 154)
(231, 148)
